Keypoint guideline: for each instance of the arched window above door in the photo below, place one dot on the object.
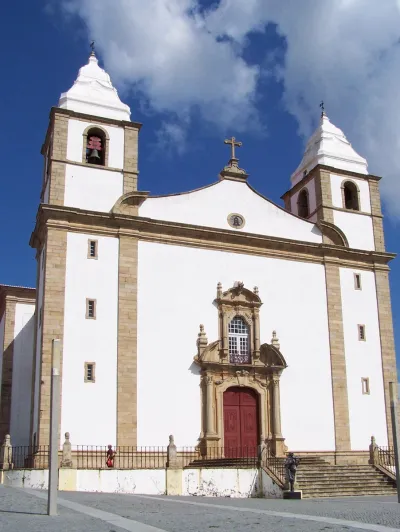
(239, 341)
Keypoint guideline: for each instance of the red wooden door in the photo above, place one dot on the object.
(240, 422)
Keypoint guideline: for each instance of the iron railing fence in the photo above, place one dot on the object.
(30, 457)
(386, 459)
(95, 457)
(274, 465)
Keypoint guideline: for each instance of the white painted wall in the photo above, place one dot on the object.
(38, 355)
(2, 325)
(336, 188)
(22, 374)
(144, 481)
(211, 206)
(175, 298)
(94, 189)
(363, 359)
(312, 200)
(231, 482)
(357, 228)
(37, 479)
(89, 409)
(76, 141)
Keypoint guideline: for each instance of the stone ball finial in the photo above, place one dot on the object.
(255, 290)
(201, 328)
(171, 439)
(67, 435)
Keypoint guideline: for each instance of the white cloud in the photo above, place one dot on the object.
(183, 60)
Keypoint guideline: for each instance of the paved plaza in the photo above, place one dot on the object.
(24, 510)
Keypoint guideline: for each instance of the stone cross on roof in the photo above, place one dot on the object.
(233, 142)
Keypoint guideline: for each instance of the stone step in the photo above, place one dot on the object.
(352, 485)
(336, 475)
(327, 477)
(339, 495)
(344, 489)
(347, 491)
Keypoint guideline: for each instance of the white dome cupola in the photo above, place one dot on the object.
(93, 94)
(329, 146)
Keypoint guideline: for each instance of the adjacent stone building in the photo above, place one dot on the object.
(215, 314)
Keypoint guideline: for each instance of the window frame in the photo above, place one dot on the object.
(357, 281)
(96, 243)
(86, 372)
(88, 301)
(365, 387)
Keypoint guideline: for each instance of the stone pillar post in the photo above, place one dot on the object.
(66, 460)
(172, 457)
(373, 452)
(6, 454)
(210, 426)
(224, 333)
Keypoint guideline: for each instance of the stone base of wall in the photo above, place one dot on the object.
(228, 482)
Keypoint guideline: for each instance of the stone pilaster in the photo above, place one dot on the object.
(130, 159)
(52, 322)
(210, 430)
(376, 213)
(58, 153)
(387, 341)
(7, 369)
(127, 342)
(338, 359)
(323, 194)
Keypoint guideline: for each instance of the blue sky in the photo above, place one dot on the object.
(257, 77)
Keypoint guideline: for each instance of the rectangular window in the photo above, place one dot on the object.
(92, 249)
(91, 309)
(90, 375)
(357, 281)
(365, 385)
(361, 333)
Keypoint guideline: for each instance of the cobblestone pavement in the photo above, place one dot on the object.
(24, 510)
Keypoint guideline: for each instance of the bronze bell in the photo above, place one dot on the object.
(94, 157)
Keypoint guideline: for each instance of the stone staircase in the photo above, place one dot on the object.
(318, 478)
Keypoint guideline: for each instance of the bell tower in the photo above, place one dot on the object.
(90, 162)
(91, 146)
(332, 186)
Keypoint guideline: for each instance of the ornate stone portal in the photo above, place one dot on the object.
(237, 359)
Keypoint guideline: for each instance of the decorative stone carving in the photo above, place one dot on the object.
(6, 454)
(202, 341)
(275, 340)
(242, 377)
(66, 460)
(220, 372)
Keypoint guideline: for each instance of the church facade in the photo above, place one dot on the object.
(214, 315)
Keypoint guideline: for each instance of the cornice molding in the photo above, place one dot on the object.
(151, 230)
